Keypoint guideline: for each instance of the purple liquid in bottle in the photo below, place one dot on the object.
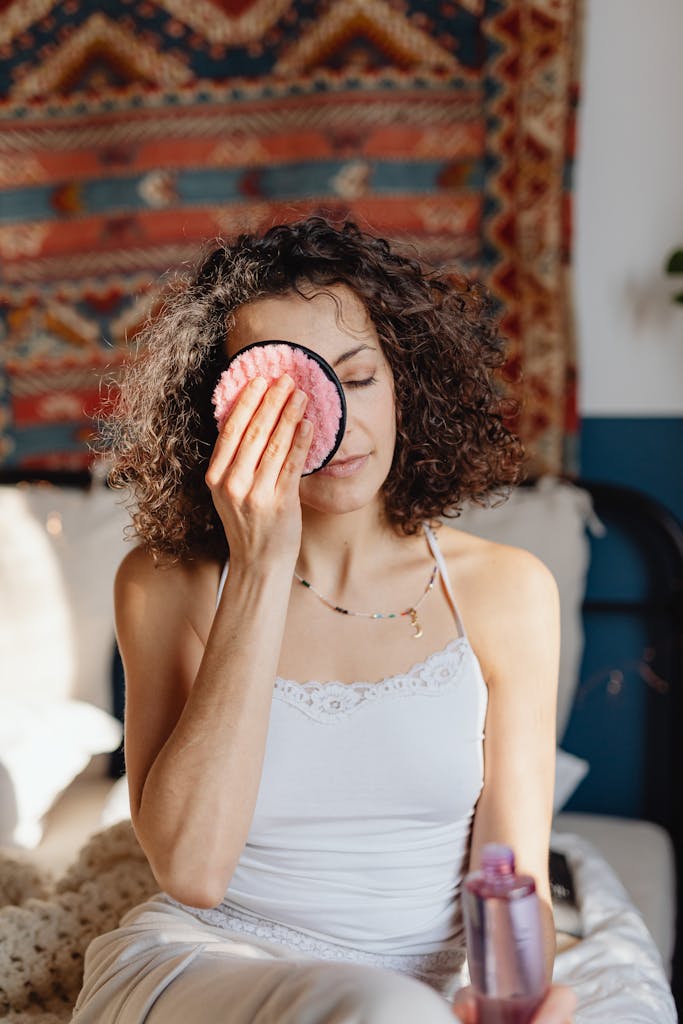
(504, 939)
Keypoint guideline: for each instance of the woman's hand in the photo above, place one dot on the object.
(255, 469)
(557, 1007)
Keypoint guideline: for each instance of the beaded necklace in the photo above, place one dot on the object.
(412, 611)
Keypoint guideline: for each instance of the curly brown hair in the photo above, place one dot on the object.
(439, 335)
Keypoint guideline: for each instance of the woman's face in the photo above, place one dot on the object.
(348, 341)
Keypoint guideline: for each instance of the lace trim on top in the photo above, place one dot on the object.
(435, 968)
(330, 700)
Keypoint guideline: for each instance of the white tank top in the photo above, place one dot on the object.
(360, 835)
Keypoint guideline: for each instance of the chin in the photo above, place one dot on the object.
(337, 497)
(336, 505)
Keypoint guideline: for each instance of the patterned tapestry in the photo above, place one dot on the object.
(131, 130)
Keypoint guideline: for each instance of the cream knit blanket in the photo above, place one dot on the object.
(46, 925)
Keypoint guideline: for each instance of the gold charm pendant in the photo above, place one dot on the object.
(415, 624)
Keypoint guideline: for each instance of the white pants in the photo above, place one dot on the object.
(162, 966)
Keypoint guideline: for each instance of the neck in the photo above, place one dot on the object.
(340, 552)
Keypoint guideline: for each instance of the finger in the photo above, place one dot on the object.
(280, 442)
(465, 1006)
(557, 1007)
(293, 467)
(258, 432)
(232, 429)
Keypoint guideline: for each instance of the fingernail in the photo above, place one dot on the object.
(259, 383)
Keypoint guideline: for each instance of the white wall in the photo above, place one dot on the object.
(629, 209)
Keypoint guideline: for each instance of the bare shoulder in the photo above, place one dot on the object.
(157, 589)
(503, 592)
(484, 563)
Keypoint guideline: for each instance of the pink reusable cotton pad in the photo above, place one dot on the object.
(326, 407)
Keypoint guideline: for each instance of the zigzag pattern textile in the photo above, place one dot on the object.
(132, 130)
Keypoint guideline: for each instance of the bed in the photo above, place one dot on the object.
(618, 559)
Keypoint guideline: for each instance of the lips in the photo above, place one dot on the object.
(347, 458)
(344, 467)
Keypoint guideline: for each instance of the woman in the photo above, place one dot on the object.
(310, 832)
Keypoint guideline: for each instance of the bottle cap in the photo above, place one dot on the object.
(497, 859)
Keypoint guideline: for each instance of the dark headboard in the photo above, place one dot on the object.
(633, 621)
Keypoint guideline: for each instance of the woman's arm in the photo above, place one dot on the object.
(197, 712)
(196, 717)
(518, 646)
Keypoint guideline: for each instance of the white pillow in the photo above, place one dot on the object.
(569, 772)
(37, 655)
(44, 745)
(59, 552)
(550, 520)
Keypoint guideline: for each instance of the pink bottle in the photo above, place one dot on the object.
(504, 939)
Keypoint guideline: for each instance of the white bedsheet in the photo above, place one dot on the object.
(616, 970)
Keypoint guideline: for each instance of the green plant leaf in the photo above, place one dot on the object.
(675, 264)
(679, 298)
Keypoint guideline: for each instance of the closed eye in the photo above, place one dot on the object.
(360, 383)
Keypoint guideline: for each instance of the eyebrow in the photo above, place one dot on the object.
(352, 352)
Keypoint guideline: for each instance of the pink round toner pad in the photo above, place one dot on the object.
(326, 407)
